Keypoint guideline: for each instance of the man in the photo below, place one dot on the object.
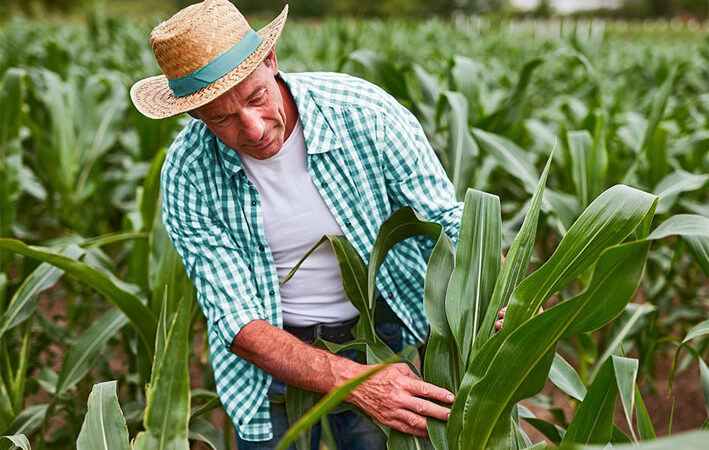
(271, 163)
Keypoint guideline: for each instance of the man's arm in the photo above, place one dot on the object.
(391, 395)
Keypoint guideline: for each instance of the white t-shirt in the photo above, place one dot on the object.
(295, 217)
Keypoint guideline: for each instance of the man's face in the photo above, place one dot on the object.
(251, 116)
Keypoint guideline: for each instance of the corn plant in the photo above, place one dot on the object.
(465, 288)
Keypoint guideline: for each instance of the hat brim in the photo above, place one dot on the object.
(154, 98)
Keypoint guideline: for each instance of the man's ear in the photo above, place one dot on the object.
(193, 113)
(271, 61)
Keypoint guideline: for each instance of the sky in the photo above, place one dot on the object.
(567, 6)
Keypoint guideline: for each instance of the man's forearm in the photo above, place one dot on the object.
(297, 364)
(395, 396)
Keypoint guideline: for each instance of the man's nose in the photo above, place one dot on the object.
(252, 126)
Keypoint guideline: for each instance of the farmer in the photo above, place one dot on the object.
(271, 163)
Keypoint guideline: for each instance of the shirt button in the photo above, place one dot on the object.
(261, 248)
(391, 295)
(348, 224)
(324, 185)
(271, 292)
(253, 203)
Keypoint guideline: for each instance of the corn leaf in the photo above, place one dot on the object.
(670, 187)
(168, 400)
(442, 365)
(565, 378)
(593, 421)
(694, 230)
(19, 440)
(635, 315)
(131, 305)
(203, 431)
(24, 301)
(645, 428)
(699, 329)
(692, 439)
(298, 403)
(607, 221)
(81, 356)
(626, 371)
(402, 224)
(461, 151)
(580, 145)
(327, 403)
(516, 264)
(498, 377)
(104, 426)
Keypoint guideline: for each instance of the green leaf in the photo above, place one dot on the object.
(298, 403)
(509, 156)
(151, 191)
(670, 187)
(694, 230)
(24, 301)
(19, 440)
(104, 426)
(626, 371)
(442, 365)
(593, 421)
(636, 313)
(565, 378)
(516, 264)
(461, 151)
(693, 439)
(131, 305)
(28, 420)
(80, 357)
(332, 399)
(699, 329)
(607, 221)
(657, 109)
(168, 400)
(402, 224)
(503, 374)
(201, 430)
(477, 263)
(580, 145)
(645, 428)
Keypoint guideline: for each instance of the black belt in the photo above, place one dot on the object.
(338, 333)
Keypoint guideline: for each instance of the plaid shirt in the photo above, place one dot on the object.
(367, 156)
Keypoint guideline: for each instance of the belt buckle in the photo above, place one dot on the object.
(317, 331)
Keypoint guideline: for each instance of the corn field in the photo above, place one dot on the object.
(581, 148)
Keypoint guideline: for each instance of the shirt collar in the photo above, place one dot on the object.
(317, 131)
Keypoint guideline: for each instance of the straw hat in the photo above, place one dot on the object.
(204, 50)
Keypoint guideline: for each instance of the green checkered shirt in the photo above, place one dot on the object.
(367, 156)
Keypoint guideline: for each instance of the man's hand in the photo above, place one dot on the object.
(392, 395)
(396, 397)
(501, 315)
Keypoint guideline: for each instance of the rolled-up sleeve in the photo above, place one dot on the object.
(214, 262)
(415, 176)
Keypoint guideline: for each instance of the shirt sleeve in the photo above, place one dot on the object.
(216, 265)
(414, 175)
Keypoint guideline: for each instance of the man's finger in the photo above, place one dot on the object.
(425, 408)
(498, 325)
(502, 312)
(422, 389)
(405, 425)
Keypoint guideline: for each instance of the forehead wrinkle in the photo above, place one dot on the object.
(225, 103)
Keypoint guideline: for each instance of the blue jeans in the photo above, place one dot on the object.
(350, 430)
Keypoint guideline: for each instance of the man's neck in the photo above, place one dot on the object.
(290, 107)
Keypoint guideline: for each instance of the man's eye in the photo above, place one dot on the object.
(259, 99)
